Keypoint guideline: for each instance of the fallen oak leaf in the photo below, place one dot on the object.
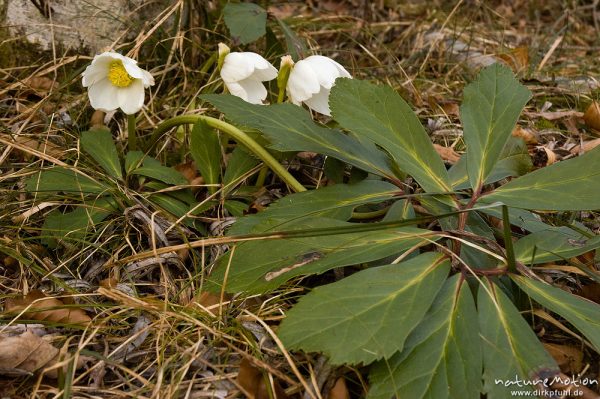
(37, 306)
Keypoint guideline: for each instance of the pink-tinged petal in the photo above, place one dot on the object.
(255, 90)
(103, 96)
(302, 83)
(131, 98)
(236, 67)
(320, 102)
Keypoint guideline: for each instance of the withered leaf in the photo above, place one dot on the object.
(38, 306)
(26, 352)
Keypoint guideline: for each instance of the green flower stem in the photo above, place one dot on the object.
(238, 135)
(131, 137)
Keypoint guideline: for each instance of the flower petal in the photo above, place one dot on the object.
(302, 83)
(263, 70)
(103, 95)
(325, 69)
(320, 102)
(131, 98)
(132, 69)
(237, 90)
(255, 90)
(236, 67)
(97, 70)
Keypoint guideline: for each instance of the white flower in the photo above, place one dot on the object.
(115, 81)
(243, 74)
(311, 80)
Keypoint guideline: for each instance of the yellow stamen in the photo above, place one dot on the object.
(117, 74)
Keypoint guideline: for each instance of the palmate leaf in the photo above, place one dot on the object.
(260, 266)
(582, 313)
(491, 106)
(441, 358)
(510, 349)
(368, 315)
(290, 128)
(335, 201)
(381, 115)
(571, 185)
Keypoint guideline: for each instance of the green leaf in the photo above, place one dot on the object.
(582, 313)
(76, 225)
(555, 187)
(491, 106)
(368, 315)
(152, 168)
(58, 179)
(290, 128)
(240, 162)
(335, 201)
(246, 21)
(510, 349)
(295, 47)
(440, 358)
(99, 144)
(555, 244)
(206, 152)
(513, 161)
(133, 160)
(260, 266)
(381, 115)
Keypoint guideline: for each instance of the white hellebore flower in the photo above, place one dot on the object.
(115, 81)
(311, 80)
(243, 74)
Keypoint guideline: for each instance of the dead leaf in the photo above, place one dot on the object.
(41, 84)
(543, 156)
(188, 170)
(590, 291)
(585, 146)
(45, 147)
(339, 390)
(448, 154)
(251, 379)
(592, 116)
(517, 58)
(26, 352)
(569, 358)
(526, 134)
(41, 307)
